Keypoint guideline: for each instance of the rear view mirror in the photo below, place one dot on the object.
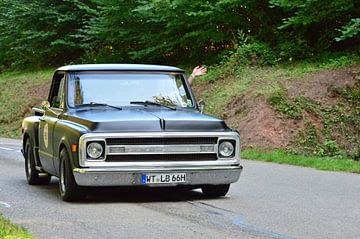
(45, 105)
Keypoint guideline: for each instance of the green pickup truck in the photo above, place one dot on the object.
(127, 125)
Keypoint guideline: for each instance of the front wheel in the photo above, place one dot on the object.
(33, 176)
(215, 190)
(69, 190)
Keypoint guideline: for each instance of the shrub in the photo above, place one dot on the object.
(285, 107)
(254, 53)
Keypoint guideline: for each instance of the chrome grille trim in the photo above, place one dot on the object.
(161, 141)
(161, 157)
(160, 149)
(84, 162)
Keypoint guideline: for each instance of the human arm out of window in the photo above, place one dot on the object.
(197, 71)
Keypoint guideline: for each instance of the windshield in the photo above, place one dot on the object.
(119, 89)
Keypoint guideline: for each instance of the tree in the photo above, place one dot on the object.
(175, 31)
(41, 32)
(313, 25)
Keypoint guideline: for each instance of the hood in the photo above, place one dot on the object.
(145, 120)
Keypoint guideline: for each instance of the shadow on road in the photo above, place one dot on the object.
(131, 194)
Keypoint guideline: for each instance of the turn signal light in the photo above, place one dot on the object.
(73, 148)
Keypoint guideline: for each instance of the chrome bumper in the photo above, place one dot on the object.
(106, 176)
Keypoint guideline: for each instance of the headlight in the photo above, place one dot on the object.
(226, 149)
(94, 150)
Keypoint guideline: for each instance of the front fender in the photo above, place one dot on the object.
(30, 130)
(66, 134)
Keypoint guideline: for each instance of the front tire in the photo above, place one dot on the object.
(69, 190)
(33, 176)
(215, 190)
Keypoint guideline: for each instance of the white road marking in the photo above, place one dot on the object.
(5, 204)
(13, 144)
(4, 148)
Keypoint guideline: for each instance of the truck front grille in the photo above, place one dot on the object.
(161, 157)
(158, 148)
(161, 141)
(161, 149)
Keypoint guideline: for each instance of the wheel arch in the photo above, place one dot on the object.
(61, 147)
(66, 135)
(64, 145)
(30, 128)
(26, 137)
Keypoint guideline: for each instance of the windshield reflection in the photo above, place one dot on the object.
(119, 89)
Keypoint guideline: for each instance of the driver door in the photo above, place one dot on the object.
(47, 124)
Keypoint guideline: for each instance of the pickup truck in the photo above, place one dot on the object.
(127, 125)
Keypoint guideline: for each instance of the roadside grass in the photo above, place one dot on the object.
(321, 163)
(11, 231)
(18, 93)
(232, 79)
(226, 85)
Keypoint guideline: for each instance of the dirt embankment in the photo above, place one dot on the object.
(260, 125)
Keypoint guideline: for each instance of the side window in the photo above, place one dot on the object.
(184, 95)
(57, 100)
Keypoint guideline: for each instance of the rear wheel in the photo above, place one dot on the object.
(215, 190)
(33, 176)
(69, 190)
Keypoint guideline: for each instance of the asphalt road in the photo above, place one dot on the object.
(269, 201)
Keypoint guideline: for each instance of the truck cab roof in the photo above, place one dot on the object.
(119, 67)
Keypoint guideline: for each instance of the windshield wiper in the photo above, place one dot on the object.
(100, 104)
(146, 103)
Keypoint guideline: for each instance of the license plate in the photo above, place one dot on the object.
(163, 178)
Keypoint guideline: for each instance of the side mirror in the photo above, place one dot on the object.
(201, 104)
(45, 104)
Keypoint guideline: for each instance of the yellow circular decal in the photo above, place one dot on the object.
(46, 135)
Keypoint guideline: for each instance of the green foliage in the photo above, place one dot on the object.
(339, 134)
(45, 32)
(289, 49)
(10, 231)
(326, 129)
(19, 92)
(321, 163)
(113, 31)
(175, 31)
(250, 52)
(338, 130)
(41, 32)
(334, 61)
(350, 30)
(309, 141)
(285, 107)
(313, 25)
